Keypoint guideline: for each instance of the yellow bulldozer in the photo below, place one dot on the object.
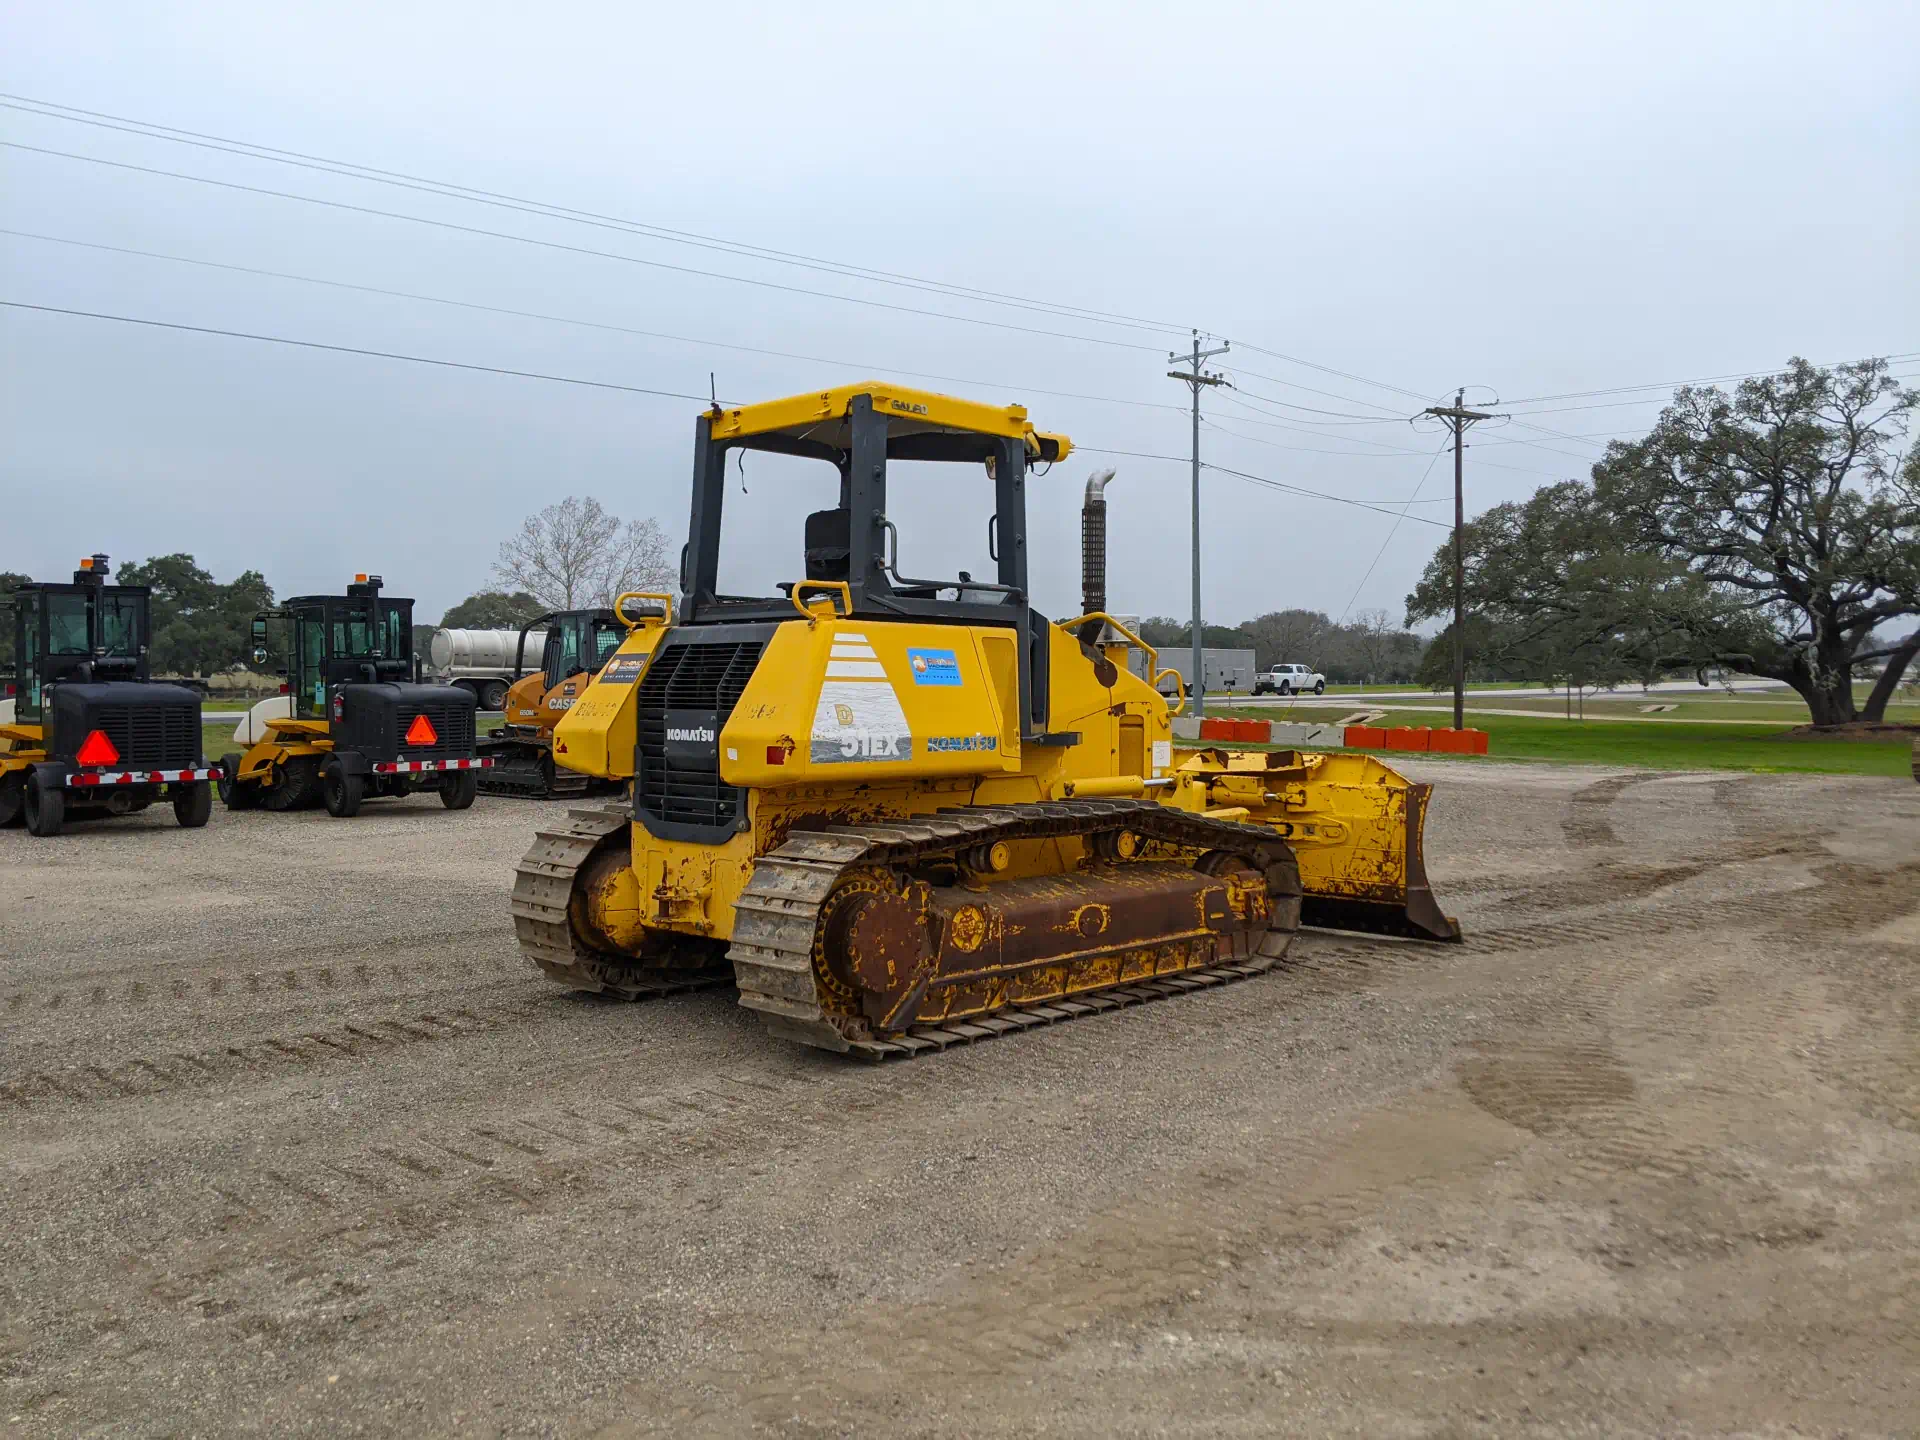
(904, 813)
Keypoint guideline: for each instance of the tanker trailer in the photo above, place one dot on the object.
(482, 661)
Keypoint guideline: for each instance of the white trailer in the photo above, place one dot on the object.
(1223, 669)
(481, 661)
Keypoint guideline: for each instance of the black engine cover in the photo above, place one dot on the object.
(375, 721)
(153, 726)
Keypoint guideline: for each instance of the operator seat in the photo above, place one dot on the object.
(829, 545)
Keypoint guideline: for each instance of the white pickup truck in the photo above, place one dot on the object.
(1289, 680)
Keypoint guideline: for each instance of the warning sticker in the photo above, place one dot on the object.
(1162, 755)
(858, 721)
(623, 669)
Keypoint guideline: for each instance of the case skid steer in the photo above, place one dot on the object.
(357, 725)
(578, 643)
(901, 813)
(84, 731)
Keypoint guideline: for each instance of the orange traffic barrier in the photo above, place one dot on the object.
(1408, 737)
(1457, 742)
(1212, 729)
(1257, 731)
(1366, 737)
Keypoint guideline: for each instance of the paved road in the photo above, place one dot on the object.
(294, 1144)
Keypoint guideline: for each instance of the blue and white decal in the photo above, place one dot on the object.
(933, 667)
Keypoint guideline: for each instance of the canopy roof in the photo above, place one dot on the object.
(920, 424)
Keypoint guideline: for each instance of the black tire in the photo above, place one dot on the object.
(193, 806)
(342, 791)
(46, 807)
(13, 797)
(459, 788)
(1286, 687)
(1320, 687)
(233, 794)
(493, 695)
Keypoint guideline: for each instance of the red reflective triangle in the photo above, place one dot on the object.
(96, 749)
(421, 732)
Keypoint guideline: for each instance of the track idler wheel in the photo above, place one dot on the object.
(878, 945)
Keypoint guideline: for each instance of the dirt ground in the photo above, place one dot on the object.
(293, 1143)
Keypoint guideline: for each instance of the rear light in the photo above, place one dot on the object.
(776, 754)
(96, 749)
(421, 731)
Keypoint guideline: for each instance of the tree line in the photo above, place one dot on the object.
(1773, 530)
(1369, 649)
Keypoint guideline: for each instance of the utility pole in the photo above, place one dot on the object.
(1195, 378)
(1457, 418)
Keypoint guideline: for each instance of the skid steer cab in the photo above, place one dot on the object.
(85, 732)
(357, 724)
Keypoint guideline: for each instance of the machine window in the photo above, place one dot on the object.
(120, 625)
(67, 625)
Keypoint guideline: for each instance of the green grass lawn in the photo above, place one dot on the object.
(1759, 747)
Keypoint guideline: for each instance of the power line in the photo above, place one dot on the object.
(153, 130)
(1341, 416)
(1316, 494)
(1329, 370)
(351, 350)
(1261, 480)
(1386, 451)
(575, 249)
(593, 384)
(1380, 554)
(570, 320)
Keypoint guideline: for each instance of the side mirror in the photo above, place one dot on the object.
(259, 654)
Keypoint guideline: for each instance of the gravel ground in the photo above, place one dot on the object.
(294, 1143)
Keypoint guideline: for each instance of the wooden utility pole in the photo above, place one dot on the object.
(1195, 378)
(1457, 418)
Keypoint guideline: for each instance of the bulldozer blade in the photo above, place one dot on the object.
(1403, 906)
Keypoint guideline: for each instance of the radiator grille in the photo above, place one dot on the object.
(679, 790)
(151, 736)
(452, 723)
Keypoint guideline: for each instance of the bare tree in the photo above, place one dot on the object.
(1375, 636)
(574, 555)
(638, 560)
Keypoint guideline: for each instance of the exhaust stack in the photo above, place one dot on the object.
(1093, 544)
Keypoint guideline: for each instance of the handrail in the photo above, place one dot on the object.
(620, 614)
(1154, 672)
(846, 597)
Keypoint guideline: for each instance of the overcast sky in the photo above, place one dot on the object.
(1529, 199)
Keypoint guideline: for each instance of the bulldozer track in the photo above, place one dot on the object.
(542, 887)
(168, 1071)
(778, 916)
